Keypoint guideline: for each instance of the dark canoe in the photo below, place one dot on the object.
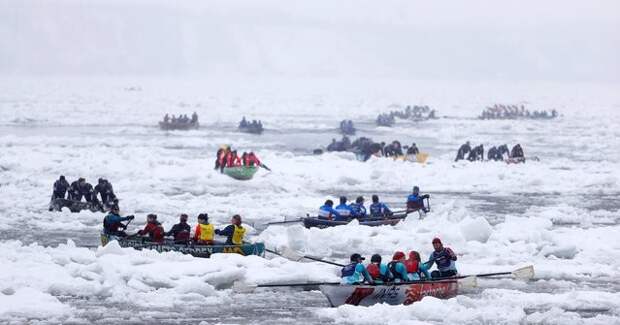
(77, 206)
(314, 222)
(405, 294)
(251, 129)
(178, 126)
(191, 249)
(242, 173)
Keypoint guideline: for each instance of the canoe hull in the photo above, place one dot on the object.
(77, 206)
(241, 173)
(204, 251)
(178, 126)
(313, 222)
(364, 295)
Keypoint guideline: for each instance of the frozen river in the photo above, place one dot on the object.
(560, 214)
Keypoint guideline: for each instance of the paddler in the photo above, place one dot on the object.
(344, 211)
(378, 209)
(357, 209)
(445, 259)
(355, 272)
(415, 269)
(153, 229)
(112, 223)
(204, 232)
(180, 231)
(397, 267)
(379, 272)
(415, 201)
(234, 231)
(326, 211)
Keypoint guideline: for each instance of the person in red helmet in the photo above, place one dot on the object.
(415, 269)
(253, 160)
(445, 259)
(397, 267)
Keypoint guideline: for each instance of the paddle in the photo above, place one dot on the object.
(296, 257)
(282, 222)
(265, 166)
(523, 273)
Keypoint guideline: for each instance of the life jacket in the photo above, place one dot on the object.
(205, 232)
(412, 266)
(237, 236)
(348, 270)
(110, 227)
(374, 271)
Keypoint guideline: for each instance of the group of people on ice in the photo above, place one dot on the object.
(226, 157)
(203, 234)
(401, 268)
(499, 111)
(81, 189)
(415, 112)
(376, 210)
(366, 147)
(181, 119)
(495, 153)
(346, 127)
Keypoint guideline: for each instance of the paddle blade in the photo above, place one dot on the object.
(468, 282)
(292, 255)
(242, 287)
(524, 273)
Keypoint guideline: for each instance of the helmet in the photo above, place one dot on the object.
(376, 258)
(416, 189)
(436, 240)
(375, 198)
(62, 177)
(356, 257)
(360, 199)
(101, 180)
(329, 203)
(343, 199)
(398, 255)
(152, 216)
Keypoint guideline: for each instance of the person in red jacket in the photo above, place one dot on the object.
(253, 160)
(153, 229)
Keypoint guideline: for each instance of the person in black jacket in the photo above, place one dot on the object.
(181, 231)
(60, 188)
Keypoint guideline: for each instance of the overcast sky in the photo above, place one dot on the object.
(451, 40)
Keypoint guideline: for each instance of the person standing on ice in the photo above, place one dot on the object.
(416, 270)
(379, 272)
(345, 212)
(355, 272)
(378, 209)
(327, 211)
(234, 232)
(463, 150)
(415, 201)
(60, 188)
(445, 259)
(357, 209)
(180, 231)
(112, 223)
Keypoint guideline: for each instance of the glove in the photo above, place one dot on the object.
(217, 231)
(131, 217)
(425, 196)
(123, 226)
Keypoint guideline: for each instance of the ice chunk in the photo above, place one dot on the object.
(477, 229)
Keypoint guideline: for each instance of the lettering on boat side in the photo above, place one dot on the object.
(387, 294)
(199, 250)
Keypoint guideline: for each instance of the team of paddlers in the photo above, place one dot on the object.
(367, 147)
(81, 189)
(495, 153)
(253, 127)
(500, 111)
(226, 157)
(203, 234)
(376, 210)
(346, 127)
(401, 268)
(181, 119)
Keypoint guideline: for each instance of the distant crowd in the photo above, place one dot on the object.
(499, 111)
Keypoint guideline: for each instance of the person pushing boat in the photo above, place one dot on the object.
(355, 272)
(234, 232)
(445, 259)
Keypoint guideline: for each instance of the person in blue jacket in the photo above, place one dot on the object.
(355, 272)
(344, 211)
(378, 209)
(445, 259)
(112, 223)
(415, 201)
(326, 211)
(357, 209)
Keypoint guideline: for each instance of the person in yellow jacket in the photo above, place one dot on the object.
(204, 230)
(234, 231)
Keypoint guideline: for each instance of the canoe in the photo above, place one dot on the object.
(242, 173)
(405, 294)
(315, 222)
(178, 126)
(251, 129)
(76, 206)
(191, 249)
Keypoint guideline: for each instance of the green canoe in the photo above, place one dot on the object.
(242, 173)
